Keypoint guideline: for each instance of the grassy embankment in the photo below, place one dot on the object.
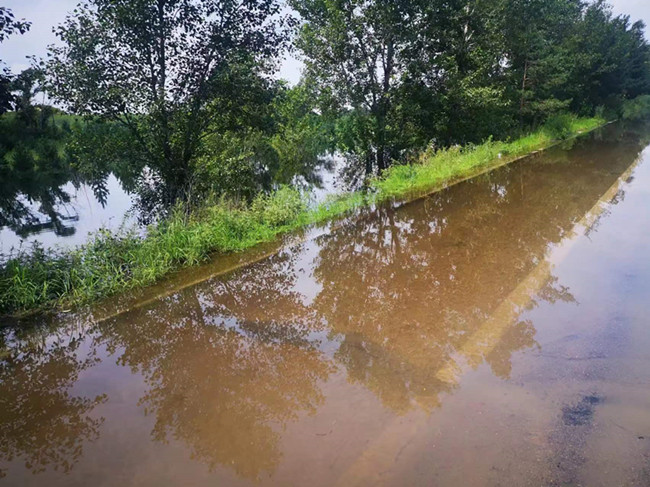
(114, 263)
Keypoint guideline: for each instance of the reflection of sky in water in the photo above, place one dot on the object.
(88, 214)
(330, 180)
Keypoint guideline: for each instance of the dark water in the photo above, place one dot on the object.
(496, 333)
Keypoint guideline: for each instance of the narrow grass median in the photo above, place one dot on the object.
(109, 263)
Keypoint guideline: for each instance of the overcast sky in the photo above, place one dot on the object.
(45, 14)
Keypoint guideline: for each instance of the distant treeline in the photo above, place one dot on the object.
(403, 74)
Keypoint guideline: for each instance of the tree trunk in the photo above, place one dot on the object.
(523, 88)
(381, 141)
(368, 161)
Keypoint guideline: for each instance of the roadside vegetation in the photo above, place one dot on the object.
(179, 99)
(438, 168)
(111, 263)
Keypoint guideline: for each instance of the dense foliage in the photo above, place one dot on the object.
(404, 73)
(383, 79)
(173, 72)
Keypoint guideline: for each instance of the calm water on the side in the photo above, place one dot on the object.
(496, 333)
(82, 215)
(85, 214)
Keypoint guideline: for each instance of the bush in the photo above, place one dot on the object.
(279, 208)
(637, 109)
(560, 126)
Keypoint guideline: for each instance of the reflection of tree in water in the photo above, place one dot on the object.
(395, 289)
(552, 292)
(41, 422)
(518, 336)
(43, 151)
(230, 362)
(265, 294)
(407, 289)
(33, 171)
(23, 186)
(225, 387)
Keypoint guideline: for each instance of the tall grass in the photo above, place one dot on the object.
(439, 168)
(111, 263)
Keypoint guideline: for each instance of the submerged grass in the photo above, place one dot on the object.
(111, 263)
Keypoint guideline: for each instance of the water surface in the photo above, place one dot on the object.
(495, 333)
(79, 216)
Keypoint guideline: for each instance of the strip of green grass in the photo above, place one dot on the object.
(449, 165)
(114, 263)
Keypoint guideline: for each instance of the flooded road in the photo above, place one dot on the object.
(495, 333)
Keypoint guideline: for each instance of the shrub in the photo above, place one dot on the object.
(559, 126)
(279, 208)
(637, 109)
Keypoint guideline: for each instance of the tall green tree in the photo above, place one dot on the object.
(164, 70)
(571, 55)
(611, 59)
(540, 61)
(471, 69)
(357, 52)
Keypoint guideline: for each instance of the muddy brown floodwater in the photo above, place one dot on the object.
(495, 333)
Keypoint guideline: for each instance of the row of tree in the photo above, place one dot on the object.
(408, 72)
(190, 86)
